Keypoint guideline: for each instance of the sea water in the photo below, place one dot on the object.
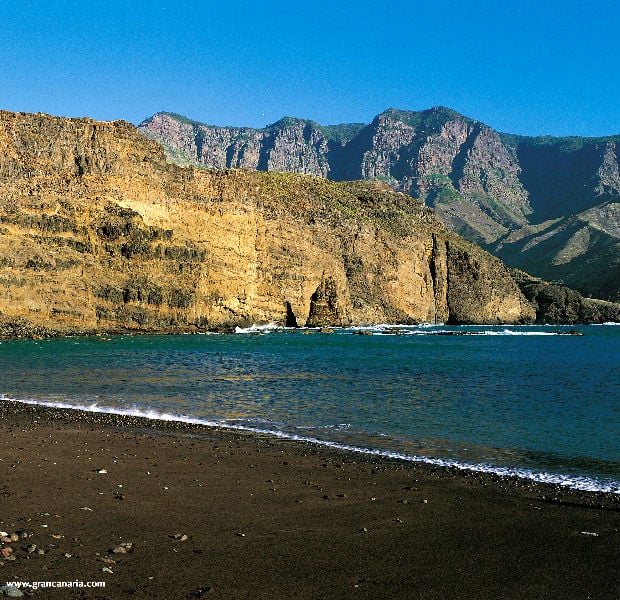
(539, 402)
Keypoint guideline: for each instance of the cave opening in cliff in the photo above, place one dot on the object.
(291, 319)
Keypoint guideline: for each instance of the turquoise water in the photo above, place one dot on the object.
(522, 400)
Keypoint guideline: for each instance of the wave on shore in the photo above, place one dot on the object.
(419, 329)
(572, 482)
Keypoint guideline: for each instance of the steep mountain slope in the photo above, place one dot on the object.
(99, 232)
(574, 230)
(547, 205)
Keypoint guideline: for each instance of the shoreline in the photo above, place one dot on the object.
(213, 512)
(164, 421)
(20, 329)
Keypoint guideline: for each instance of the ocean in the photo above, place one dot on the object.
(538, 402)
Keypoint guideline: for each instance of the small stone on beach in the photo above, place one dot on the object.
(11, 591)
(24, 533)
(123, 548)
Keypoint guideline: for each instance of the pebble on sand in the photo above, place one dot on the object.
(123, 548)
(11, 591)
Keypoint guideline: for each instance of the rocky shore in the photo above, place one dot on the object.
(168, 510)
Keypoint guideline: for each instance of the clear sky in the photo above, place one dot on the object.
(532, 67)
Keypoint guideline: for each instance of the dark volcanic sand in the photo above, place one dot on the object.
(267, 518)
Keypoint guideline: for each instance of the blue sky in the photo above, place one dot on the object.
(529, 67)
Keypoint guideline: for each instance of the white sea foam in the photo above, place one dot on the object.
(336, 427)
(514, 332)
(418, 329)
(266, 328)
(573, 482)
(376, 328)
(469, 332)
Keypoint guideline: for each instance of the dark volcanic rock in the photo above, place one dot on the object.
(557, 304)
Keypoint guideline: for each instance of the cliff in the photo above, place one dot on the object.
(98, 232)
(550, 206)
(560, 305)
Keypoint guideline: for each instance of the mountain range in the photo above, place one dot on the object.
(549, 206)
(100, 233)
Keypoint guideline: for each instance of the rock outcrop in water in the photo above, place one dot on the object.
(325, 307)
(99, 232)
(549, 206)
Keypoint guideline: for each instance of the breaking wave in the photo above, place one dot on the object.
(418, 329)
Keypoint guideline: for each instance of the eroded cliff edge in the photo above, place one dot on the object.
(99, 233)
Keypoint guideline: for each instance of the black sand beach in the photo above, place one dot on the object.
(165, 510)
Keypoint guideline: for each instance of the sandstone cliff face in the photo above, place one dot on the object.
(516, 196)
(98, 232)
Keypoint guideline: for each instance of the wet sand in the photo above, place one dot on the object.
(207, 513)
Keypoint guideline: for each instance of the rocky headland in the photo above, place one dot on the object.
(561, 305)
(99, 232)
(546, 205)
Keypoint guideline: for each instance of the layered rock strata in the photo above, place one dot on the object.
(98, 232)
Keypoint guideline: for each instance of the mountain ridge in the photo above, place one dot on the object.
(499, 190)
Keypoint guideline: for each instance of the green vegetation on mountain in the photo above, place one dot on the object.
(495, 189)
